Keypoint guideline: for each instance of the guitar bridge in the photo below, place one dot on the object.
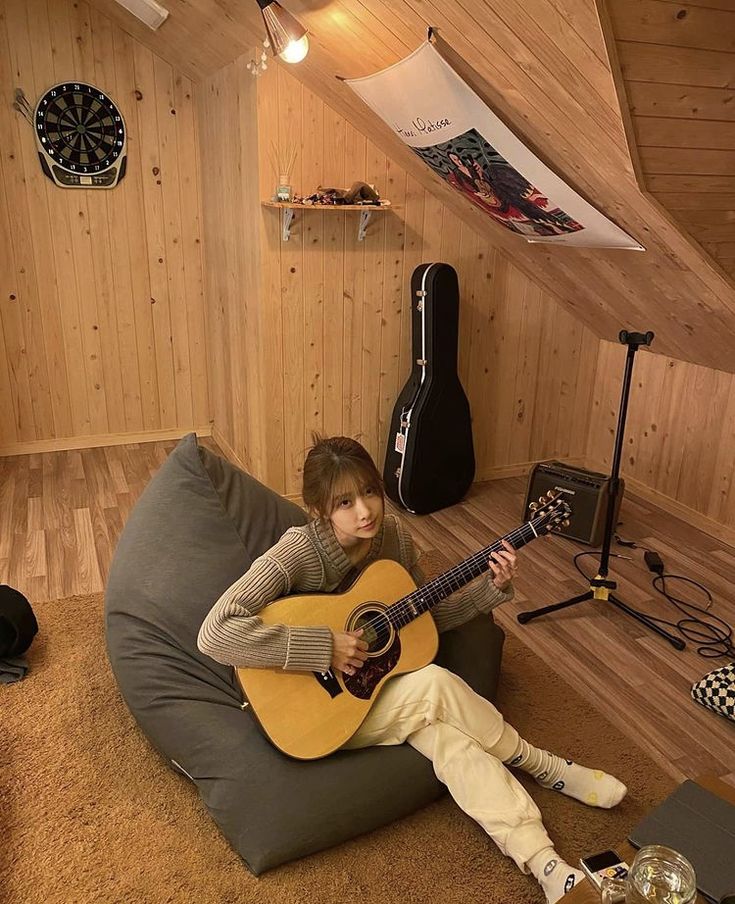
(328, 681)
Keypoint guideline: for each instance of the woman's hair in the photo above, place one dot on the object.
(332, 463)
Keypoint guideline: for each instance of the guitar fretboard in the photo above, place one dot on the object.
(425, 598)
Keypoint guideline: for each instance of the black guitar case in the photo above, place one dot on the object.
(430, 460)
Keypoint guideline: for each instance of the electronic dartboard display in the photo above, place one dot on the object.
(80, 135)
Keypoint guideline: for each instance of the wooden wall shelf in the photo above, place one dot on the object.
(289, 208)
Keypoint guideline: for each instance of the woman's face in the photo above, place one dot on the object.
(357, 515)
(459, 163)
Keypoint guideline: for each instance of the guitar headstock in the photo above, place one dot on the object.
(550, 513)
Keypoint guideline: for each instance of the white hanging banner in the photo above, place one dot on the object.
(442, 119)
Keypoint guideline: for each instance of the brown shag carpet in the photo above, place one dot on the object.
(90, 813)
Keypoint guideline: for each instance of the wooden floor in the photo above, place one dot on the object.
(61, 515)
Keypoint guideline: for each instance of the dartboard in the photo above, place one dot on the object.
(81, 136)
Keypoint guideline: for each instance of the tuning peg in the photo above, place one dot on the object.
(533, 506)
(565, 522)
(542, 499)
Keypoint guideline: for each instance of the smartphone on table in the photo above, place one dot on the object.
(605, 864)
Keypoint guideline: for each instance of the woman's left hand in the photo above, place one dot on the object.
(503, 565)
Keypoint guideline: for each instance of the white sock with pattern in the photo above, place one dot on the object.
(555, 876)
(591, 786)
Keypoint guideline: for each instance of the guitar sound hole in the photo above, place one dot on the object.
(377, 632)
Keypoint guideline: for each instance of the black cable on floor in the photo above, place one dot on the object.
(713, 634)
(714, 640)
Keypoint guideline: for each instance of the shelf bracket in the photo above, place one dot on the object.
(287, 215)
(364, 220)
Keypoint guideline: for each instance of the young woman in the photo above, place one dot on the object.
(465, 736)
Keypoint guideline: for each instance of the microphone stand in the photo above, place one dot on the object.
(601, 586)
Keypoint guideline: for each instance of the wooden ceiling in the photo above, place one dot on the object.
(545, 68)
(678, 69)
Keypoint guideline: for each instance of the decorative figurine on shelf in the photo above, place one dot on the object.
(358, 193)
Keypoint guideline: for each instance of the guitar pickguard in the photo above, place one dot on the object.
(364, 681)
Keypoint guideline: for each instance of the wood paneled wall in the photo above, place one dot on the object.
(102, 308)
(680, 434)
(334, 325)
(102, 326)
(678, 65)
(544, 68)
(226, 103)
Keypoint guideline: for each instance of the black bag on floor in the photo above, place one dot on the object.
(430, 459)
(18, 625)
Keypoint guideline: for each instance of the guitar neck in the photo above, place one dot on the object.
(425, 598)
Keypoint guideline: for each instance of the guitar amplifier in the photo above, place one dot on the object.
(588, 495)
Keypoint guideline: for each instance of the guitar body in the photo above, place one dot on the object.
(308, 715)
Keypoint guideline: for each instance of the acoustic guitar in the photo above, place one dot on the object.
(308, 715)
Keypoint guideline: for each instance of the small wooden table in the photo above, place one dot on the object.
(587, 894)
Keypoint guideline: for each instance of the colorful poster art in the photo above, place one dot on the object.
(454, 132)
(473, 166)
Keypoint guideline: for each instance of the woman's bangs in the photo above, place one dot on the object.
(353, 481)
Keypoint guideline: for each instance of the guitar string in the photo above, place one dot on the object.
(462, 574)
(443, 581)
(477, 559)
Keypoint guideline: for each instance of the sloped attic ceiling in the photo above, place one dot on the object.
(544, 69)
(678, 68)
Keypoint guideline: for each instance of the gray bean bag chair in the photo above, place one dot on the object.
(197, 527)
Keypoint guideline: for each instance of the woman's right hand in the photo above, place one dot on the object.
(348, 651)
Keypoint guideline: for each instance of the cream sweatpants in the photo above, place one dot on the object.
(440, 715)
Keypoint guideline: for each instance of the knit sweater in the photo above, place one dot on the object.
(310, 559)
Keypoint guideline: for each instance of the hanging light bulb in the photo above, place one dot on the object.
(295, 51)
(287, 36)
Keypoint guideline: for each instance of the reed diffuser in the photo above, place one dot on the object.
(283, 160)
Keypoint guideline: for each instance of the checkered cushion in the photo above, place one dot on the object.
(716, 691)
